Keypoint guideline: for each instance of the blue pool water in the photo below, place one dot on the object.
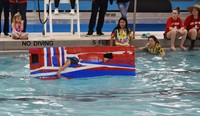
(163, 86)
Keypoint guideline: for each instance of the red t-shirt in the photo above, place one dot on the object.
(173, 23)
(19, 1)
(190, 22)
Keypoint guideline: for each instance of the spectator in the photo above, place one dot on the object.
(175, 29)
(101, 6)
(17, 27)
(19, 6)
(192, 24)
(4, 6)
(121, 35)
(123, 7)
(57, 2)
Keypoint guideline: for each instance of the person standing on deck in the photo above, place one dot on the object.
(4, 6)
(123, 6)
(72, 3)
(101, 6)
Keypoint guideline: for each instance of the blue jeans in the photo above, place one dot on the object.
(123, 7)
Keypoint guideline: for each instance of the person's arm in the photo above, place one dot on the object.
(113, 35)
(111, 40)
(22, 26)
(141, 48)
(163, 53)
(169, 24)
(131, 39)
(187, 22)
(14, 29)
(67, 63)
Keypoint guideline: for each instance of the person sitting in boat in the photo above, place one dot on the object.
(69, 61)
(153, 46)
(121, 34)
(74, 60)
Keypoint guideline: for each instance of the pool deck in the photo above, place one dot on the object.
(64, 39)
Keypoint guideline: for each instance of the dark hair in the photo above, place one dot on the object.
(126, 26)
(178, 9)
(154, 38)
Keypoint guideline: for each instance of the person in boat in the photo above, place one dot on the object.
(153, 46)
(75, 60)
(69, 61)
(121, 34)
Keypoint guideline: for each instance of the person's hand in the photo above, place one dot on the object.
(163, 54)
(58, 75)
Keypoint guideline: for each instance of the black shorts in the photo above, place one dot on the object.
(165, 36)
(73, 60)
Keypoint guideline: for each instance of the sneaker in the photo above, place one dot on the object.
(72, 12)
(6, 34)
(100, 34)
(56, 12)
(89, 34)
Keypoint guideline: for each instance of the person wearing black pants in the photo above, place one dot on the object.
(57, 2)
(19, 6)
(101, 6)
(4, 6)
(72, 2)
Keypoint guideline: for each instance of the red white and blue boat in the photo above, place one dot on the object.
(92, 62)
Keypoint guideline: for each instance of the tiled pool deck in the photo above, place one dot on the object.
(36, 39)
(63, 39)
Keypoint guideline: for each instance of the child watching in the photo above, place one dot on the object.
(121, 35)
(18, 27)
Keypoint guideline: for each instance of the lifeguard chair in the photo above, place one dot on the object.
(64, 15)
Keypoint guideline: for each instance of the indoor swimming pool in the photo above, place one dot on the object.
(163, 86)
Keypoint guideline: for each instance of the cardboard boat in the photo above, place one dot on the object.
(91, 62)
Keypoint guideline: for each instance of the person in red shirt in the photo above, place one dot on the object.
(192, 24)
(19, 6)
(175, 29)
